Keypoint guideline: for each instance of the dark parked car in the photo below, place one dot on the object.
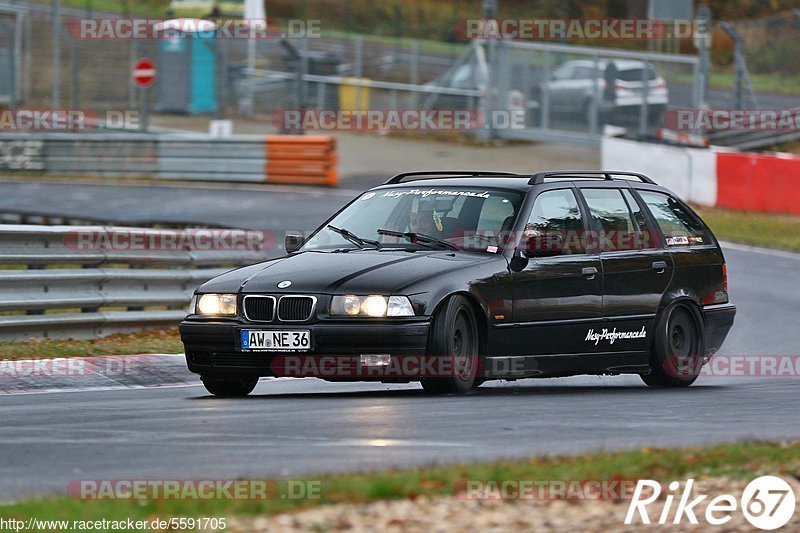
(507, 276)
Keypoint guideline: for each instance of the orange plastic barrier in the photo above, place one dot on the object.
(306, 159)
(758, 182)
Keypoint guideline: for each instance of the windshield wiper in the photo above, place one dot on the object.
(352, 237)
(420, 238)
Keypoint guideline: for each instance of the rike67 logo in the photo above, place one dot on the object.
(767, 502)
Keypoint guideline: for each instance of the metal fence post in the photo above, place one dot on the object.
(414, 70)
(595, 111)
(55, 14)
(134, 48)
(26, 69)
(320, 96)
(700, 89)
(74, 74)
(17, 88)
(645, 94)
(545, 103)
(301, 90)
(359, 67)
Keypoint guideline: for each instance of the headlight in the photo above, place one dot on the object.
(216, 304)
(373, 305)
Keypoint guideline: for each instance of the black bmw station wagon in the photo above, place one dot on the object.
(504, 276)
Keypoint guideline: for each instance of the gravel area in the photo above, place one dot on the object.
(444, 514)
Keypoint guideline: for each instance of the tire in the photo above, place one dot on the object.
(676, 357)
(656, 115)
(586, 112)
(455, 334)
(229, 387)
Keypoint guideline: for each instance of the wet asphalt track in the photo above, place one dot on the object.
(291, 427)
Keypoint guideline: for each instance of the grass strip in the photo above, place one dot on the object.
(736, 461)
(148, 341)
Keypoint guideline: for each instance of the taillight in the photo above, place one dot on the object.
(724, 277)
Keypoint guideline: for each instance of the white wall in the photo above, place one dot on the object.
(691, 173)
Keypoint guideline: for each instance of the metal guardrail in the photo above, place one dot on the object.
(748, 140)
(164, 156)
(49, 287)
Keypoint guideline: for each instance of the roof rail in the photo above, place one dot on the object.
(450, 174)
(608, 175)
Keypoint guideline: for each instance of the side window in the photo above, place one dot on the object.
(644, 233)
(612, 219)
(679, 227)
(462, 77)
(556, 213)
(583, 73)
(563, 73)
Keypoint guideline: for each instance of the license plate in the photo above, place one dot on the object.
(276, 340)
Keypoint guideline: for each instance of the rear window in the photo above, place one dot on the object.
(635, 74)
(679, 226)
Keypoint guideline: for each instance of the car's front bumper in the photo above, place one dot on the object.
(213, 347)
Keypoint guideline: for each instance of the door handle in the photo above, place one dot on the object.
(659, 266)
(589, 272)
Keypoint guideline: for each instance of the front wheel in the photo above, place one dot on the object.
(676, 357)
(455, 335)
(229, 387)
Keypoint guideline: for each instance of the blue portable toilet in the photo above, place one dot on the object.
(187, 80)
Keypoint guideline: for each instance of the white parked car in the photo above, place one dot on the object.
(619, 84)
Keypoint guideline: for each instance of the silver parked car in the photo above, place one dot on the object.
(619, 84)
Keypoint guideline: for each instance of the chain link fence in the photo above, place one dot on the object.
(563, 91)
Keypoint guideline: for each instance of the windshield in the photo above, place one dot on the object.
(454, 217)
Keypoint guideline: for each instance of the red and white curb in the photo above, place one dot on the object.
(715, 176)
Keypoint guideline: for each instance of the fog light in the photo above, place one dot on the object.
(378, 359)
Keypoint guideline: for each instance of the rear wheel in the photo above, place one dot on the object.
(455, 335)
(656, 115)
(229, 387)
(676, 357)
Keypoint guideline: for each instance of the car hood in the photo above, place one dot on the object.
(358, 272)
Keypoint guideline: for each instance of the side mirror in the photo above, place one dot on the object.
(545, 245)
(518, 261)
(294, 240)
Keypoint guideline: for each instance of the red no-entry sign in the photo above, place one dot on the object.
(144, 73)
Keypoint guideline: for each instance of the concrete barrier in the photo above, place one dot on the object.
(759, 182)
(712, 176)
